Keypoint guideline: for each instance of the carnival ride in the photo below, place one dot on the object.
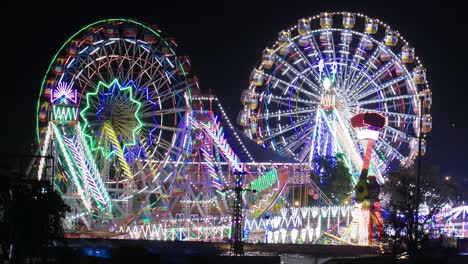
(139, 150)
(451, 222)
(133, 139)
(324, 70)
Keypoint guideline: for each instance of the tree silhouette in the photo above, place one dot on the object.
(333, 177)
(399, 198)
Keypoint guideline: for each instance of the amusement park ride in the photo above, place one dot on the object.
(140, 151)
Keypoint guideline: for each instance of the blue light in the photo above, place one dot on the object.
(96, 252)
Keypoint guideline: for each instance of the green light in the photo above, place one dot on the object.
(134, 131)
(265, 181)
(64, 113)
(65, 44)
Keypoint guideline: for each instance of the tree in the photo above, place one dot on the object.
(403, 234)
(333, 177)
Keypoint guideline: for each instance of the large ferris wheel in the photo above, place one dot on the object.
(324, 70)
(112, 111)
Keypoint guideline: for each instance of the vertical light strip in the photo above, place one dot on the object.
(94, 178)
(71, 167)
(44, 150)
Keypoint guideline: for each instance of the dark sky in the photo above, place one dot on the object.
(225, 39)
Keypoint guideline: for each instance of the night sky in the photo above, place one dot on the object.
(225, 41)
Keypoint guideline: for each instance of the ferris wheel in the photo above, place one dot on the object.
(112, 111)
(321, 72)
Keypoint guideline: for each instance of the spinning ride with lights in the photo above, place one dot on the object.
(138, 149)
(321, 72)
(134, 142)
(112, 110)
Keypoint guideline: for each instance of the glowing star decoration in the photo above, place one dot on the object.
(64, 94)
(125, 134)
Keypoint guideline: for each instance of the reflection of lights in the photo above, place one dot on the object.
(296, 203)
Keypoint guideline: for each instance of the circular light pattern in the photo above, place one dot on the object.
(113, 102)
(324, 70)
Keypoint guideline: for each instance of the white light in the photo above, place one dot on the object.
(367, 134)
(326, 83)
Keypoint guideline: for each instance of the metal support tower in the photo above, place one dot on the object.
(237, 246)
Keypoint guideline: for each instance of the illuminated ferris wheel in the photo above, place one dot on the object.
(112, 112)
(321, 72)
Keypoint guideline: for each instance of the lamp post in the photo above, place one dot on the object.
(418, 180)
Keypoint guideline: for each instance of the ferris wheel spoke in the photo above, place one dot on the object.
(379, 89)
(364, 73)
(170, 94)
(158, 97)
(137, 80)
(352, 66)
(87, 78)
(157, 79)
(298, 73)
(150, 73)
(160, 81)
(364, 85)
(389, 148)
(306, 60)
(98, 60)
(381, 100)
(279, 103)
(388, 113)
(166, 128)
(316, 53)
(171, 148)
(395, 137)
(333, 52)
(94, 71)
(295, 142)
(402, 134)
(272, 133)
(286, 113)
(287, 100)
(132, 61)
(315, 46)
(288, 85)
(391, 114)
(104, 58)
(164, 112)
